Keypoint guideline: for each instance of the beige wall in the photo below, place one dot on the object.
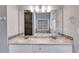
(72, 13)
(59, 20)
(12, 20)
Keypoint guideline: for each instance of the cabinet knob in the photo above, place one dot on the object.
(40, 48)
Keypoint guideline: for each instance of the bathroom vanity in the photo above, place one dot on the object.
(42, 45)
(48, 23)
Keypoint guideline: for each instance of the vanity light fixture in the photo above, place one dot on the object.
(40, 8)
(31, 8)
(49, 9)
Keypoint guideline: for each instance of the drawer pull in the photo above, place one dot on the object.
(40, 48)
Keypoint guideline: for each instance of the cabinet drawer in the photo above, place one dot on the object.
(53, 48)
(36, 48)
(20, 48)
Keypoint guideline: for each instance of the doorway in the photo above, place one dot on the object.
(27, 22)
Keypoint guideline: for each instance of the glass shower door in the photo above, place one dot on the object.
(42, 22)
(43, 26)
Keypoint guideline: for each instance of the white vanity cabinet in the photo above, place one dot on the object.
(41, 48)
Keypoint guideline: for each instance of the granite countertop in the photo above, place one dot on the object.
(40, 40)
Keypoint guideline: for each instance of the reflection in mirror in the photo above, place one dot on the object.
(46, 19)
(33, 22)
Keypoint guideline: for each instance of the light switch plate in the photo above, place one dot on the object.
(77, 30)
(72, 20)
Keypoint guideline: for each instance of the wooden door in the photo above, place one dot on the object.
(28, 22)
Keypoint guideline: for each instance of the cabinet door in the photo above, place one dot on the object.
(20, 48)
(3, 29)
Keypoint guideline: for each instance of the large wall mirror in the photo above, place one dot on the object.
(45, 19)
